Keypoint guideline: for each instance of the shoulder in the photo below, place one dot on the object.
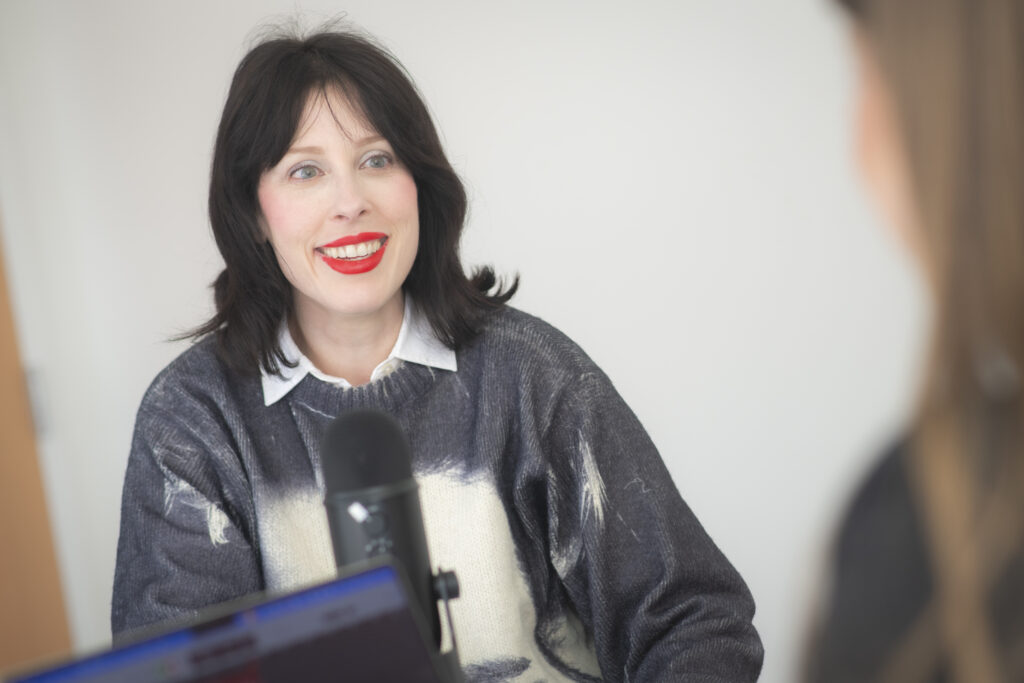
(882, 510)
(196, 377)
(881, 534)
(195, 414)
(880, 578)
(532, 343)
(535, 364)
(881, 552)
(196, 366)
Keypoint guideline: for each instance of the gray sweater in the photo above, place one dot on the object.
(577, 557)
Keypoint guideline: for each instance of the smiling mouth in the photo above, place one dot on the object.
(354, 252)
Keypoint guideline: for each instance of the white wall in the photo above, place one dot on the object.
(671, 179)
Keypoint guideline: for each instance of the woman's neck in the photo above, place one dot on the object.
(349, 347)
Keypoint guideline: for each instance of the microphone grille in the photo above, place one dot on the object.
(364, 448)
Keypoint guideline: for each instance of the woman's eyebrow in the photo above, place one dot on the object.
(368, 140)
(312, 149)
(316, 149)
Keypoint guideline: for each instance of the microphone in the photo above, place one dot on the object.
(373, 504)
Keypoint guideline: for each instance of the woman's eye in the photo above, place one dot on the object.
(378, 160)
(305, 172)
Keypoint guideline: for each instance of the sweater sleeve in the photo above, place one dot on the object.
(186, 538)
(662, 602)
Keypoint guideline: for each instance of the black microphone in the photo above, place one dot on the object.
(373, 503)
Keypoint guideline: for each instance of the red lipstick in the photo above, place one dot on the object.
(361, 264)
(355, 239)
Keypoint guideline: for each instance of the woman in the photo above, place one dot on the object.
(338, 217)
(929, 577)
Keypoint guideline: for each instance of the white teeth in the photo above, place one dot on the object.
(353, 251)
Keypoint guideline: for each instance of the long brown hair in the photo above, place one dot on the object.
(955, 69)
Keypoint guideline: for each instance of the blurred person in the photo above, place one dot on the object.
(928, 577)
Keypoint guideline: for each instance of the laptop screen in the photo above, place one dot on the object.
(358, 627)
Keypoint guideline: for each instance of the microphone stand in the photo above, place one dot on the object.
(446, 588)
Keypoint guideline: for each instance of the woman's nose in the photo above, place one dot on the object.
(349, 201)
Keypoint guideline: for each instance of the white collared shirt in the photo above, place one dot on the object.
(416, 343)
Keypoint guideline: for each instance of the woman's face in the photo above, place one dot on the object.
(341, 214)
(881, 150)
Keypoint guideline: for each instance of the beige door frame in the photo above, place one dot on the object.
(33, 623)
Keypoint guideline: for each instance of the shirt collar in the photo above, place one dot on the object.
(416, 343)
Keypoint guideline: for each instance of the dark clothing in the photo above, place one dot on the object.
(882, 583)
(881, 579)
(577, 556)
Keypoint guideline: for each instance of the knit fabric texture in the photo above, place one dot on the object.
(577, 558)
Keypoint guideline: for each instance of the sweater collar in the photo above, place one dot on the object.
(416, 343)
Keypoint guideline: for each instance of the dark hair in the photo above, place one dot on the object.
(264, 108)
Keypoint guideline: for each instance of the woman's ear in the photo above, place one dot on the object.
(880, 147)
